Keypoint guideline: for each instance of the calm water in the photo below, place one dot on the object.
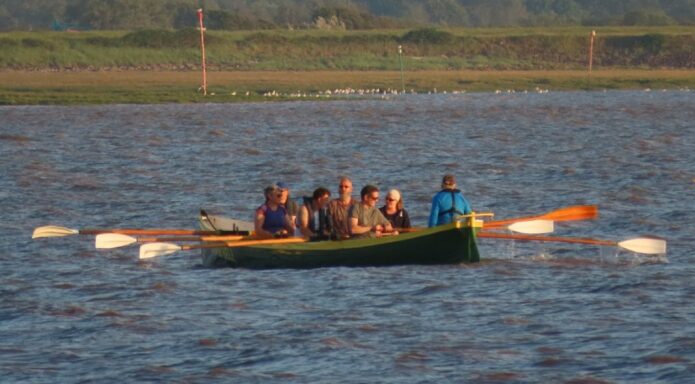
(530, 313)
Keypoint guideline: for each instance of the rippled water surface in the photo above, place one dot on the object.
(530, 313)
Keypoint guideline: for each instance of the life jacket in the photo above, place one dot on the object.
(453, 209)
(314, 216)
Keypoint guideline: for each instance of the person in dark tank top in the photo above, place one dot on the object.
(312, 218)
(393, 210)
(271, 217)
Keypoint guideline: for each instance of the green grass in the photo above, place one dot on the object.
(163, 66)
(508, 48)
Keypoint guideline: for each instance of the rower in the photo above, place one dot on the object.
(271, 218)
(448, 203)
(312, 219)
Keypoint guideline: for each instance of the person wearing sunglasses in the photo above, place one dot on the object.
(393, 210)
(448, 203)
(365, 218)
(271, 218)
(339, 208)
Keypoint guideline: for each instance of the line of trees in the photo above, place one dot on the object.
(344, 14)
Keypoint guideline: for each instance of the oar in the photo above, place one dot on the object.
(573, 213)
(55, 231)
(117, 240)
(529, 227)
(646, 245)
(160, 249)
(532, 227)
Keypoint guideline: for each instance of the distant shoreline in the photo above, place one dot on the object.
(162, 66)
(153, 87)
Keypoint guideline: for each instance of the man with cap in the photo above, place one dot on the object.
(287, 202)
(448, 203)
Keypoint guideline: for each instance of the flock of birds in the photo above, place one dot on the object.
(347, 92)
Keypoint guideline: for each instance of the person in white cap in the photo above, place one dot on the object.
(448, 203)
(393, 210)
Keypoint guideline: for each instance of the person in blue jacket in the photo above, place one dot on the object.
(448, 203)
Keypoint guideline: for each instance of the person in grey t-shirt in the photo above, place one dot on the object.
(365, 218)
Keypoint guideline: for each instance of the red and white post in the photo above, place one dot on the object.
(202, 48)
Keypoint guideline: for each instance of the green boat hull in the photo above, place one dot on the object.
(447, 244)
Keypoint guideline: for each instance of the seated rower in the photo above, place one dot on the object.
(287, 201)
(312, 218)
(339, 208)
(365, 218)
(393, 210)
(271, 218)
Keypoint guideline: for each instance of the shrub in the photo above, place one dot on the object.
(37, 43)
(651, 43)
(102, 41)
(8, 43)
(427, 36)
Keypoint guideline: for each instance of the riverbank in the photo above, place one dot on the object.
(424, 49)
(151, 87)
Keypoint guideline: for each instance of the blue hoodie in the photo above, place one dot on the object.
(446, 205)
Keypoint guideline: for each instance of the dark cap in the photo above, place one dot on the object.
(282, 185)
(448, 180)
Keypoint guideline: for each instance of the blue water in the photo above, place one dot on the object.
(552, 312)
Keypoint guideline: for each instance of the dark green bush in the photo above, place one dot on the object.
(427, 36)
(101, 41)
(37, 43)
(8, 43)
(651, 43)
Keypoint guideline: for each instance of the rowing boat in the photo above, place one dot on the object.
(229, 242)
(447, 244)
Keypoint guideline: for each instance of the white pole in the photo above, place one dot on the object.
(202, 48)
(400, 60)
(591, 51)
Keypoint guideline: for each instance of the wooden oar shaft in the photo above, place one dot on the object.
(546, 238)
(153, 232)
(578, 212)
(222, 238)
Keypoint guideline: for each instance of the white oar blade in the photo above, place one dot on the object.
(113, 240)
(150, 250)
(53, 231)
(645, 245)
(533, 227)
